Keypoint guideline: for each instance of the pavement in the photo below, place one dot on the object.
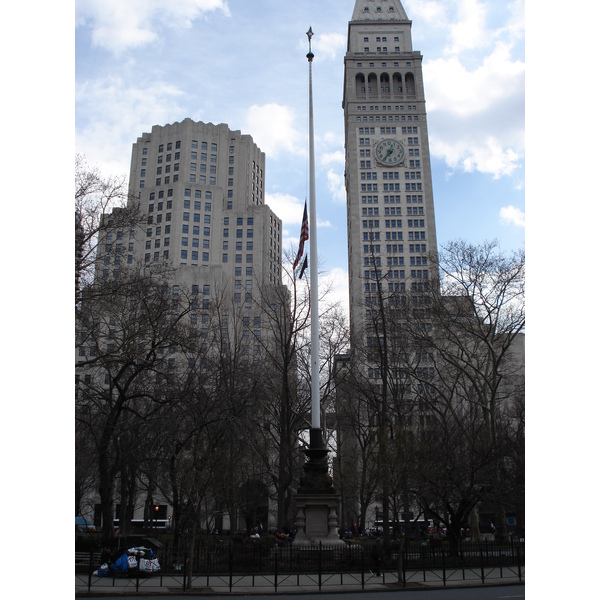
(213, 585)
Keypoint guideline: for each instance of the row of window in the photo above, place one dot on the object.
(411, 141)
(383, 119)
(415, 261)
(390, 187)
(388, 108)
(169, 147)
(387, 130)
(396, 236)
(396, 200)
(372, 175)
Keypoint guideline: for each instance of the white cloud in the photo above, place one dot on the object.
(469, 31)
(336, 281)
(287, 207)
(273, 130)
(451, 87)
(512, 215)
(336, 186)
(429, 12)
(336, 157)
(114, 113)
(484, 155)
(328, 44)
(117, 25)
(476, 117)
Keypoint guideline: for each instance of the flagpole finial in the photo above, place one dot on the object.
(310, 54)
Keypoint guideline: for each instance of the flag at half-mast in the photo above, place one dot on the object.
(303, 237)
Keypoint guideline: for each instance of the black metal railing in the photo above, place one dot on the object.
(404, 562)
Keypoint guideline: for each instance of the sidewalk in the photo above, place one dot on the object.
(265, 584)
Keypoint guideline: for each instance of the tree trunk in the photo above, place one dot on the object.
(501, 531)
(106, 501)
(474, 525)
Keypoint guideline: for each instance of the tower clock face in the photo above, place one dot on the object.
(389, 152)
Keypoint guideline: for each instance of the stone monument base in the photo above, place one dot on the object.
(317, 520)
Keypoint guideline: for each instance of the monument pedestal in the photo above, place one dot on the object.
(317, 501)
(317, 520)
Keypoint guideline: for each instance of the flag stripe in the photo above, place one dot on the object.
(303, 237)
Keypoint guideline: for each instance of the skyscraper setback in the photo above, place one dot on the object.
(202, 189)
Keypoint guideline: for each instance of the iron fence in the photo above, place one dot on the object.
(230, 564)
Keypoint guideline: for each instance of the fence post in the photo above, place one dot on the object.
(482, 564)
(230, 566)
(320, 559)
(90, 569)
(362, 566)
(185, 563)
(444, 566)
(162, 561)
(275, 575)
(400, 557)
(138, 555)
(519, 560)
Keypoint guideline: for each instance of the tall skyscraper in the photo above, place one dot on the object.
(200, 188)
(391, 221)
(391, 238)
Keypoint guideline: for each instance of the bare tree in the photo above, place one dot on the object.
(96, 197)
(284, 411)
(468, 376)
(128, 338)
(439, 373)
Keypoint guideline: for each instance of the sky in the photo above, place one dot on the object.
(91, 76)
(141, 63)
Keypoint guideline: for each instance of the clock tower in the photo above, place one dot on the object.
(391, 222)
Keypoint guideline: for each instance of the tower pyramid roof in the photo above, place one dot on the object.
(379, 10)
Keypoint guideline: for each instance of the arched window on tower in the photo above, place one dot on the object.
(372, 87)
(397, 83)
(410, 84)
(385, 83)
(360, 85)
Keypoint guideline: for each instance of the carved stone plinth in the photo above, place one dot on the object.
(317, 520)
(317, 500)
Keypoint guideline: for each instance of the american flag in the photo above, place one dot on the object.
(303, 237)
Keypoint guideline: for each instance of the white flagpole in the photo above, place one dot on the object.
(314, 287)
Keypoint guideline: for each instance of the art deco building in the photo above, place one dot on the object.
(202, 189)
(201, 219)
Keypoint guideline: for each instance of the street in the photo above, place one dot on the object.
(504, 592)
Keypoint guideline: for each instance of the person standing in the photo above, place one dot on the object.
(377, 556)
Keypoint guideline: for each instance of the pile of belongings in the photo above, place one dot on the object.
(128, 561)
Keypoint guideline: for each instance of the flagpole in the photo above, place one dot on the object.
(314, 287)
